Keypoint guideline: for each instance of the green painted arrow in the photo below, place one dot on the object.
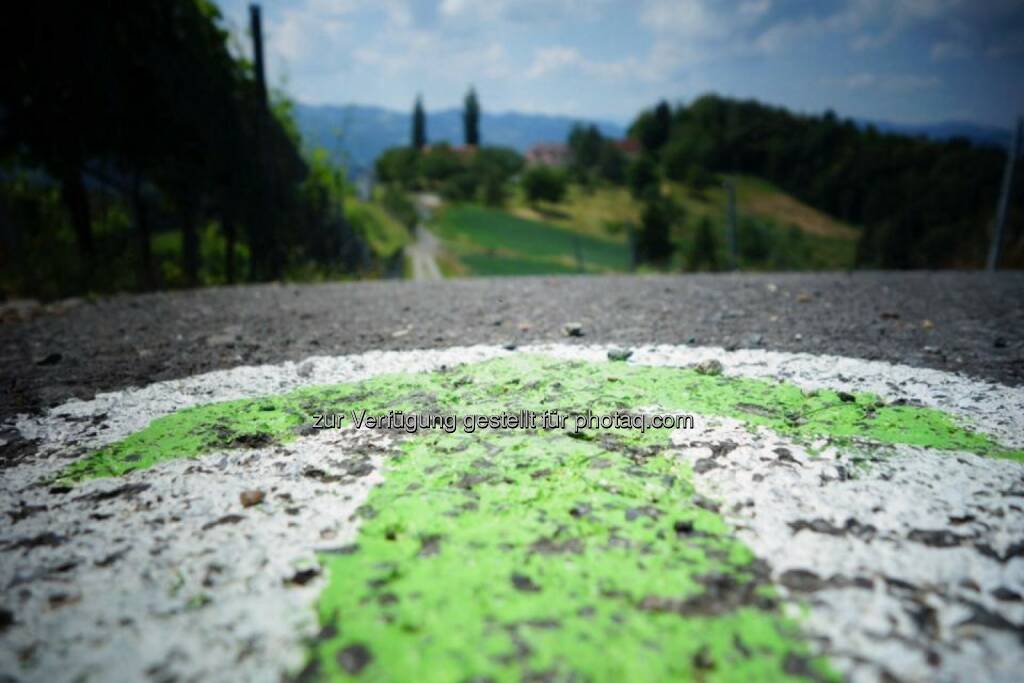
(544, 555)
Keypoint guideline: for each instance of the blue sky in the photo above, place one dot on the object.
(911, 61)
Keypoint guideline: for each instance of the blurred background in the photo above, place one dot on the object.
(180, 143)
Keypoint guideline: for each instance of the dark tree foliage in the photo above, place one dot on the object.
(398, 166)
(471, 119)
(419, 125)
(503, 162)
(593, 157)
(642, 176)
(146, 97)
(654, 242)
(493, 192)
(327, 237)
(704, 248)
(612, 163)
(754, 241)
(585, 143)
(400, 206)
(493, 167)
(460, 175)
(652, 128)
(922, 203)
(543, 183)
(439, 164)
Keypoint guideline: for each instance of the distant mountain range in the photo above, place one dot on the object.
(356, 134)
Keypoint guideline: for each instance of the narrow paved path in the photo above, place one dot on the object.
(423, 255)
(423, 252)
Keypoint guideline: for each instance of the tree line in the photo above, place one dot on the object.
(918, 203)
(922, 203)
(142, 107)
(472, 172)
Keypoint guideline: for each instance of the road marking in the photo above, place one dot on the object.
(787, 509)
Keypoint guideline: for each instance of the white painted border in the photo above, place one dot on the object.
(864, 632)
(992, 408)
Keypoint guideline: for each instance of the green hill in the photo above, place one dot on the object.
(776, 232)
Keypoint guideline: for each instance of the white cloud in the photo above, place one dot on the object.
(522, 11)
(683, 18)
(548, 61)
(688, 32)
(878, 23)
(302, 32)
(901, 83)
(455, 7)
(755, 8)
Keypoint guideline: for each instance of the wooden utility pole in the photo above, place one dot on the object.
(256, 28)
(730, 218)
(578, 252)
(1012, 152)
(265, 262)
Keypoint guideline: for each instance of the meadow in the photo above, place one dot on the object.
(775, 232)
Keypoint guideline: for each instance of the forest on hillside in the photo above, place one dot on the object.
(921, 203)
(914, 202)
(137, 152)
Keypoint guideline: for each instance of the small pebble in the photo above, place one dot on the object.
(251, 497)
(619, 354)
(709, 367)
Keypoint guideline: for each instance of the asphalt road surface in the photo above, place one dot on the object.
(966, 322)
(821, 516)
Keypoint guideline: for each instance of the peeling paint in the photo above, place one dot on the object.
(511, 555)
(536, 383)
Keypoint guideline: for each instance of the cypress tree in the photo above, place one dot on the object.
(419, 125)
(471, 119)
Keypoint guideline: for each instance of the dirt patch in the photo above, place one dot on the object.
(786, 210)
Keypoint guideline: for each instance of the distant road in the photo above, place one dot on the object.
(967, 322)
(422, 255)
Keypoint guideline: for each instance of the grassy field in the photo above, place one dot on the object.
(593, 213)
(777, 231)
(795, 236)
(493, 242)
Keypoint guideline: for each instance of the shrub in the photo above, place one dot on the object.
(544, 184)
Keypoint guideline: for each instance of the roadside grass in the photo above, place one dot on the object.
(496, 264)
(384, 234)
